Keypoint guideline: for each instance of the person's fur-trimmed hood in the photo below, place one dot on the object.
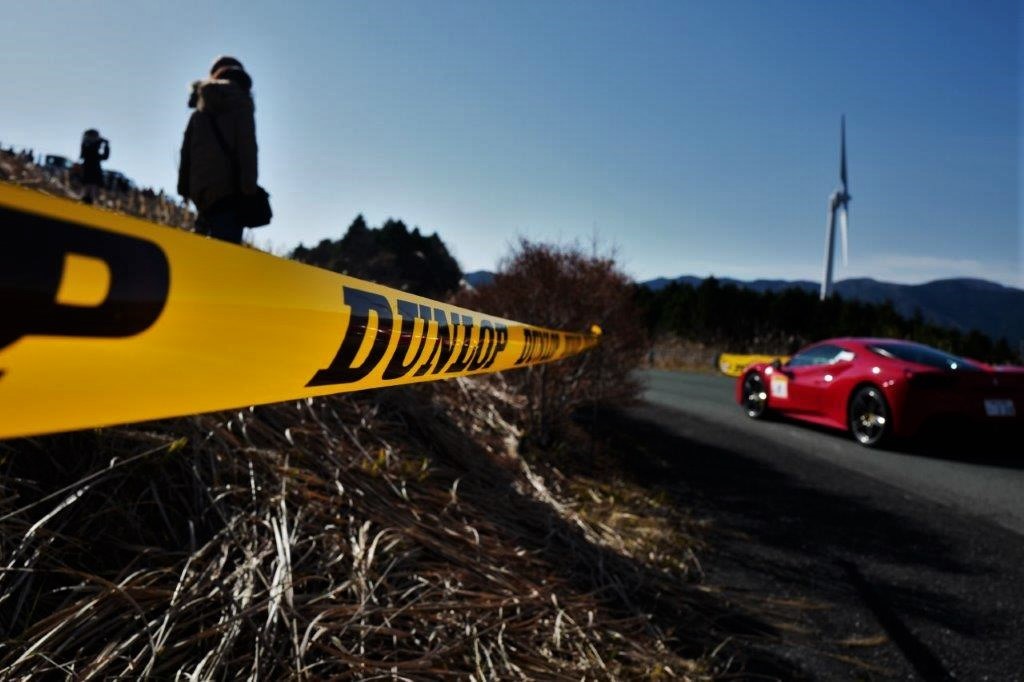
(220, 96)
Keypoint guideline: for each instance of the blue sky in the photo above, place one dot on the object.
(693, 137)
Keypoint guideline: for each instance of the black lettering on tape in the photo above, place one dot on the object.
(524, 354)
(485, 341)
(362, 303)
(500, 341)
(466, 346)
(31, 266)
(444, 344)
(409, 313)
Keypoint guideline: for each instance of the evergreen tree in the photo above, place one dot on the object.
(390, 255)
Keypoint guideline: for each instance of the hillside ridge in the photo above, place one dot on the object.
(961, 303)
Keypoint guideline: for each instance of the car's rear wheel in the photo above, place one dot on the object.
(869, 418)
(755, 397)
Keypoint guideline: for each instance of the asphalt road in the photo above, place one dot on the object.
(905, 564)
(982, 477)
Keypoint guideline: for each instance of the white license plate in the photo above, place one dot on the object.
(1000, 408)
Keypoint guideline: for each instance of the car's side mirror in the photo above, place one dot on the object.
(776, 364)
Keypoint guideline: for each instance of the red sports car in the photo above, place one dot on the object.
(882, 388)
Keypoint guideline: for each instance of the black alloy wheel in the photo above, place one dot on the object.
(755, 397)
(869, 417)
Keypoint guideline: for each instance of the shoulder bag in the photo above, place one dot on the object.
(253, 209)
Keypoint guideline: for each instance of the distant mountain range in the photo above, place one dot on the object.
(481, 278)
(965, 304)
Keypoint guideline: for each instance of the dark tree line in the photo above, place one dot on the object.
(743, 320)
(391, 255)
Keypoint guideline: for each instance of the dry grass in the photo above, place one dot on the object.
(399, 537)
(148, 204)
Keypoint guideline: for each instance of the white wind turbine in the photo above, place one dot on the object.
(839, 203)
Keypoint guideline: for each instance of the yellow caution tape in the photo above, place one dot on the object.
(107, 319)
(733, 364)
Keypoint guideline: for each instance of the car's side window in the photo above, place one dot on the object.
(799, 359)
(820, 355)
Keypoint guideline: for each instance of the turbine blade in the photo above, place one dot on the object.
(843, 217)
(842, 154)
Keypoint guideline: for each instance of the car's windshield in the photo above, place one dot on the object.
(922, 355)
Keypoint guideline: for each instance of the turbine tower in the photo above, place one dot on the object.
(839, 201)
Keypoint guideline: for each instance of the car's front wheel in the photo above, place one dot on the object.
(755, 397)
(869, 418)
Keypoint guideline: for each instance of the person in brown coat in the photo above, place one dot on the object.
(214, 171)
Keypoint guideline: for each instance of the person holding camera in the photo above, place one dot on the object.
(94, 149)
(218, 169)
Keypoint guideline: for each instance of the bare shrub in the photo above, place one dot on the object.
(564, 288)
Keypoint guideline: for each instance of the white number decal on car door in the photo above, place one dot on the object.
(780, 386)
